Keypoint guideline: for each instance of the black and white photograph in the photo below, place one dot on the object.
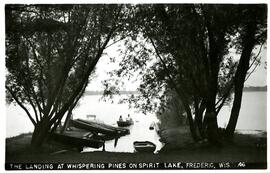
(135, 86)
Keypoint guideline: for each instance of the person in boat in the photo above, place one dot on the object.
(129, 118)
(120, 118)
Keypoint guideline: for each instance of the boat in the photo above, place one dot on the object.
(152, 126)
(100, 131)
(91, 116)
(125, 123)
(144, 146)
(120, 130)
(76, 138)
(92, 127)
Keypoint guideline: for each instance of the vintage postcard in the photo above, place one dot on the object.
(135, 86)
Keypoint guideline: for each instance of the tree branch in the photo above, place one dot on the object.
(90, 69)
(21, 105)
(32, 104)
(30, 83)
(255, 59)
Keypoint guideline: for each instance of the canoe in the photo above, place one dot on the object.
(144, 146)
(124, 123)
(78, 139)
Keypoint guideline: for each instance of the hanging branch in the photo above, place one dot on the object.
(21, 105)
(179, 92)
(255, 59)
(89, 70)
(224, 97)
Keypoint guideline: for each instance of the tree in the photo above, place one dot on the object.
(51, 50)
(185, 36)
(253, 33)
(192, 45)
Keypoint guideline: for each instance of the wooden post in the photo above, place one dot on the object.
(103, 149)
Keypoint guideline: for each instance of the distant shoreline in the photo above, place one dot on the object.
(246, 89)
(101, 92)
(253, 88)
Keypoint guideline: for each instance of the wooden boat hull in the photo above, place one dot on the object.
(144, 146)
(100, 131)
(119, 130)
(92, 127)
(124, 123)
(76, 139)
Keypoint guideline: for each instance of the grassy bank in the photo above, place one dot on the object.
(179, 148)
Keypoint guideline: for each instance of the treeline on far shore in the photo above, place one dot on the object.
(255, 88)
(248, 88)
(101, 92)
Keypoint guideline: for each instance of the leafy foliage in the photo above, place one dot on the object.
(187, 49)
(51, 50)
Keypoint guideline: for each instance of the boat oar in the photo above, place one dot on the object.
(58, 152)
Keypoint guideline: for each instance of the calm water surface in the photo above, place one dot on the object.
(252, 117)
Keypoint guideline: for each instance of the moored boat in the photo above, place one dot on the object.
(125, 123)
(152, 126)
(99, 130)
(144, 146)
(77, 139)
(120, 130)
(92, 127)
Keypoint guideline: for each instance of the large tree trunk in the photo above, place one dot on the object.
(40, 132)
(240, 76)
(66, 124)
(199, 119)
(212, 126)
(211, 117)
(191, 122)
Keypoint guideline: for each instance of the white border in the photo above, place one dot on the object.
(2, 67)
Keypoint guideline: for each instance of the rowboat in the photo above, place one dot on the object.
(152, 126)
(144, 146)
(125, 123)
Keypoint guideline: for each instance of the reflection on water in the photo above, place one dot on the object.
(138, 132)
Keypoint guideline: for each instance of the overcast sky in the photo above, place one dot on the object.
(258, 78)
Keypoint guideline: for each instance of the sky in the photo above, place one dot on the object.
(258, 78)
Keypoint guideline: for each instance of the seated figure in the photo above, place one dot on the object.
(129, 118)
(120, 118)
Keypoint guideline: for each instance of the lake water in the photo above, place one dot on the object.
(252, 117)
